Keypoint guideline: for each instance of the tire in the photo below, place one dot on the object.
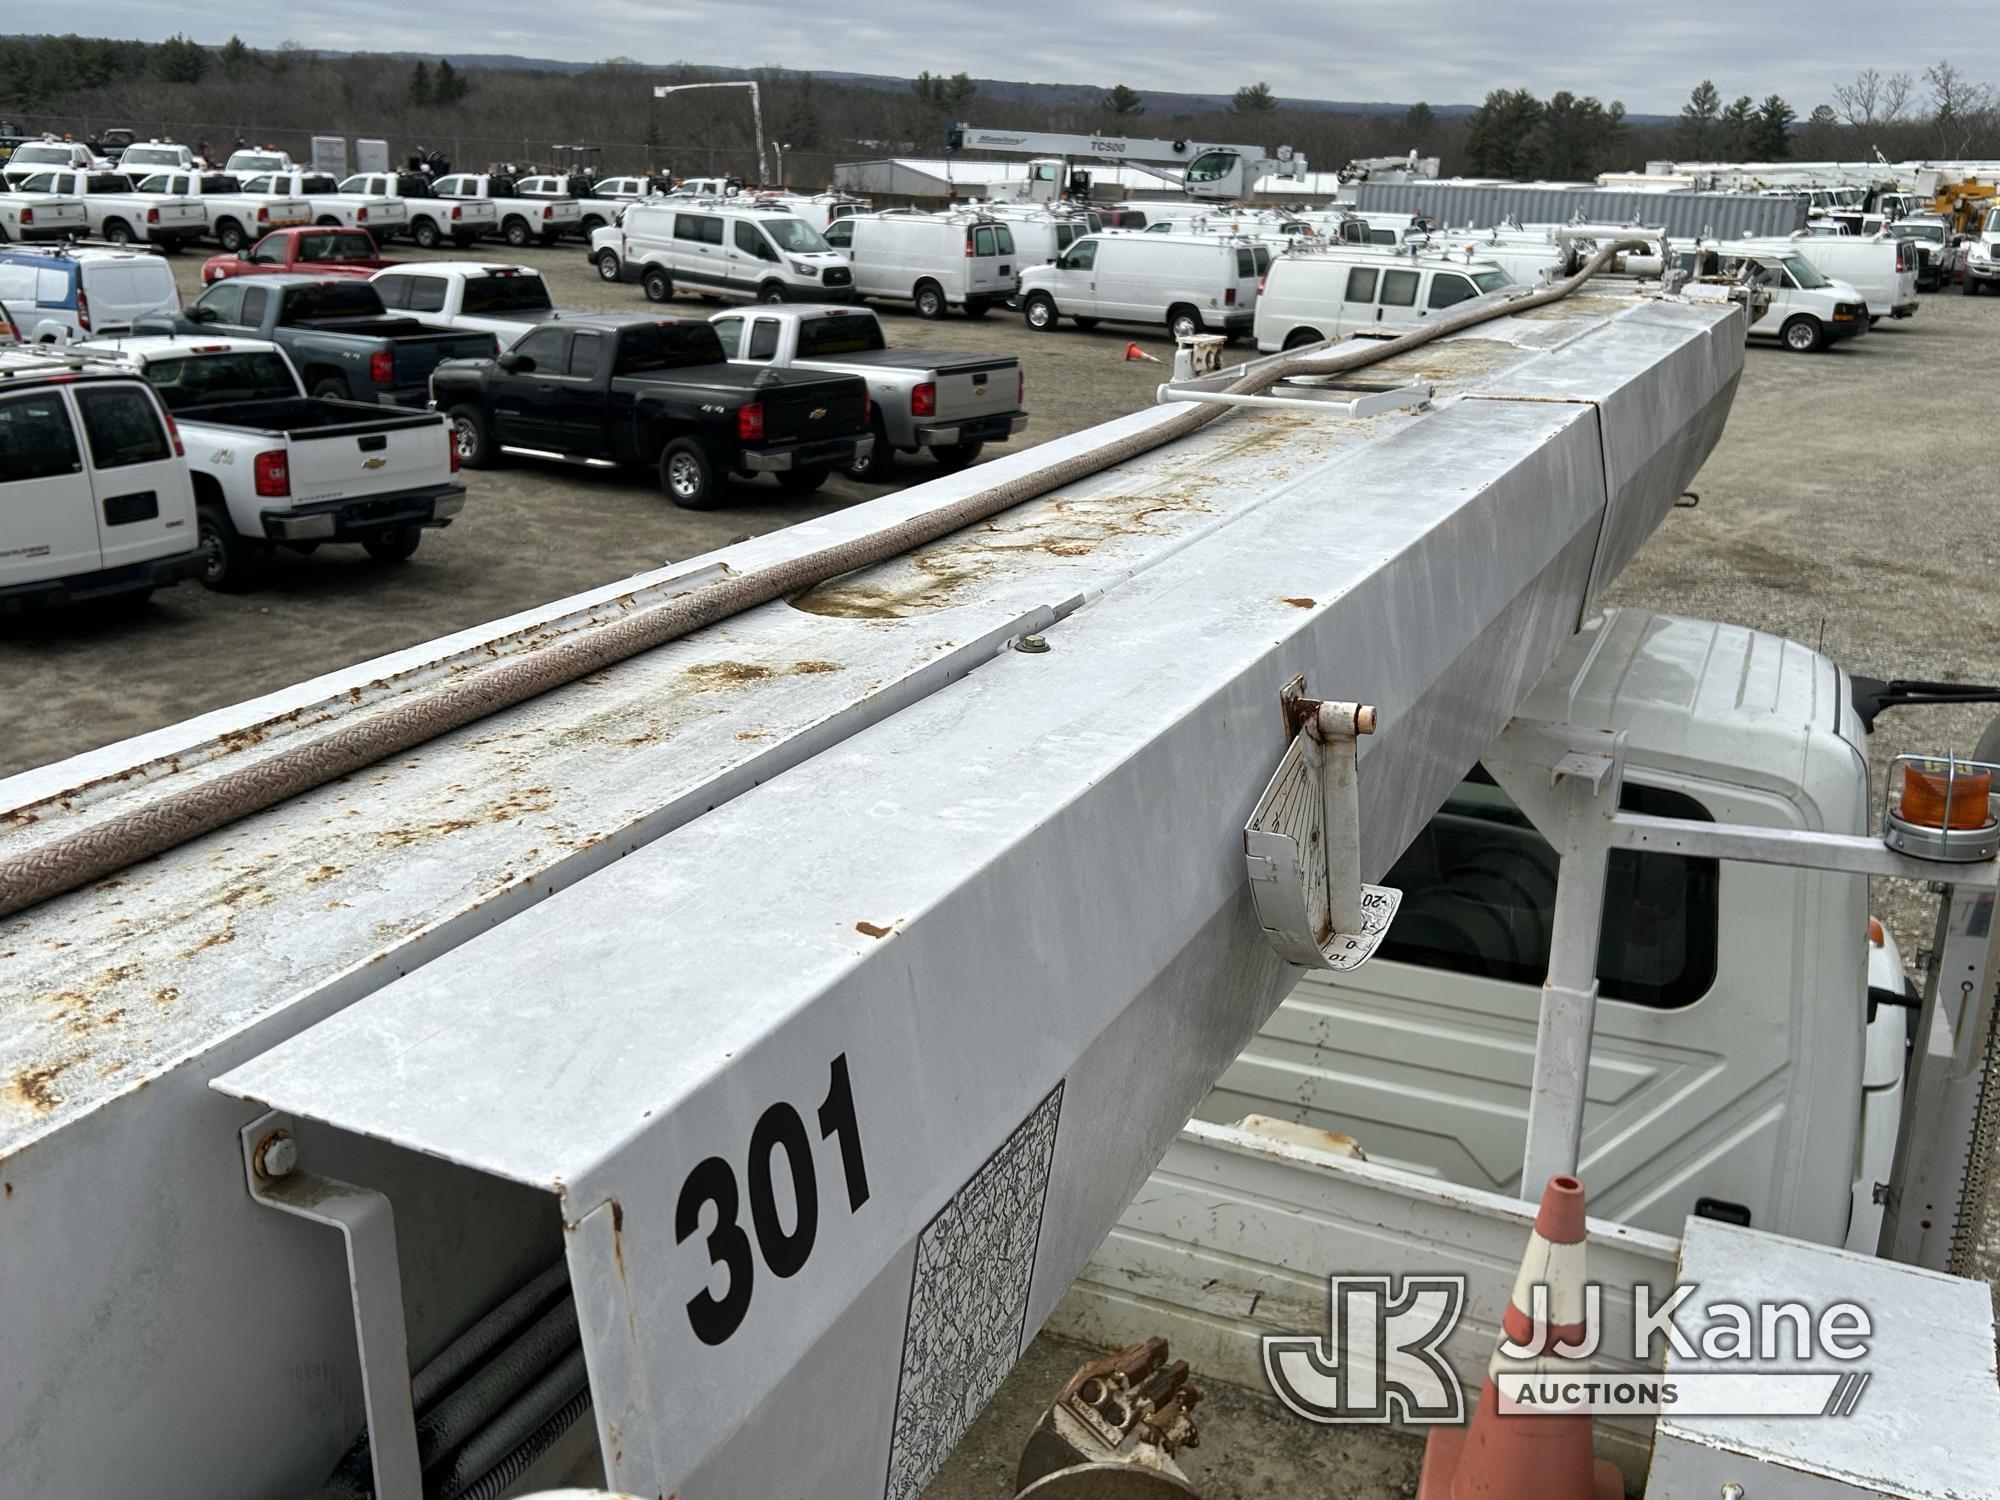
(1803, 335)
(1183, 322)
(977, 307)
(326, 221)
(688, 475)
(607, 265)
(928, 299)
(1039, 312)
(879, 467)
(229, 234)
(803, 481)
(657, 285)
(957, 456)
(476, 448)
(331, 388)
(425, 233)
(1969, 287)
(550, 238)
(1086, 324)
(231, 563)
(467, 240)
(395, 545)
(773, 291)
(592, 224)
(516, 233)
(1298, 338)
(118, 232)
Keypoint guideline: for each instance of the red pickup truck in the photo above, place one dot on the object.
(312, 251)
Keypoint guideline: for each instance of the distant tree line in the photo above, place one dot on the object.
(194, 90)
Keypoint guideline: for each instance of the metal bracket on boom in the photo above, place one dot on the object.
(368, 1227)
(1303, 842)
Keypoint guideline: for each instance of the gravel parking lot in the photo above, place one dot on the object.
(1844, 508)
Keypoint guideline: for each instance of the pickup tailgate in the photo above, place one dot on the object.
(976, 386)
(340, 450)
(799, 408)
(50, 212)
(175, 213)
(417, 354)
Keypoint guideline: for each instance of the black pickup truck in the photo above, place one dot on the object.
(345, 345)
(635, 390)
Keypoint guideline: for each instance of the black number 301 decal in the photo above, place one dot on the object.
(779, 1133)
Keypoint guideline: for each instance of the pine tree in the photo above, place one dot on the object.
(801, 128)
(1253, 99)
(1123, 102)
(421, 93)
(180, 59)
(236, 59)
(1698, 117)
(1503, 137)
(451, 85)
(1770, 136)
(1735, 128)
(1417, 122)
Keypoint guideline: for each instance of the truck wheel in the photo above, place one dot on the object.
(1039, 312)
(1183, 322)
(592, 223)
(929, 299)
(773, 291)
(803, 480)
(330, 388)
(1086, 324)
(326, 221)
(879, 467)
(977, 307)
(517, 233)
(657, 284)
(607, 265)
(117, 231)
(466, 240)
(395, 545)
(476, 449)
(687, 474)
(229, 234)
(230, 562)
(1298, 338)
(1970, 287)
(957, 456)
(425, 233)
(1803, 335)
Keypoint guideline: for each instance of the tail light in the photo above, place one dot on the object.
(382, 366)
(361, 216)
(750, 422)
(82, 310)
(152, 216)
(1229, 297)
(1260, 284)
(923, 400)
(548, 212)
(274, 473)
(451, 445)
(263, 216)
(1020, 387)
(457, 213)
(27, 216)
(174, 432)
(968, 244)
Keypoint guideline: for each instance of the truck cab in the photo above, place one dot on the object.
(1742, 1068)
(1982, 256)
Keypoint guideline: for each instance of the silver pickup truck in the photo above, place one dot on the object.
(952, 404)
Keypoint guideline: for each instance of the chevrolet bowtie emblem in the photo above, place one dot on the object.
(817, 412)
(373, 463)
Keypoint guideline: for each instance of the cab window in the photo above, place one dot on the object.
(270, 252)
(729, 333)
(840, 234)
(255, 299)
(426, 293)
(224, 300)
(751, 242)
(586, 355)
(123, 426)
(1399, 288)
(763, 339)
(545, 348)
(1080, 257)
(700, 229)
(1246, 263)
(35, 438)
(1479, 891)
(1361, 283)
(394, 291)
(1449, 289)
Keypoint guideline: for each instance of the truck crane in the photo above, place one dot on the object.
(1209, 170)
(689, 1036)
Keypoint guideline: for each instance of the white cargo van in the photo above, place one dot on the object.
(1807, 310)
(58, 293)
(933, 261)
(1312, 295)
(720, 248)
(95, 499)
(1191, 283)
(1880, 267)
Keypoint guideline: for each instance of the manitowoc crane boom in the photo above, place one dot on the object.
(688, 1036)
(1209, 170)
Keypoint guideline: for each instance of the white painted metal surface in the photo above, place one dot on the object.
(866, 850)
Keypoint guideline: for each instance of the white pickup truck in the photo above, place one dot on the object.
(432, 218)
(274, 467)
(951, 404)
(26, 216)
(32, 157)
(235, 217)
(329, 205)
(117, 211)
(476, 296)
(523, 218)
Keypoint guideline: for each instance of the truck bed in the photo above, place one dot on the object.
(304, 417)
(941, 361)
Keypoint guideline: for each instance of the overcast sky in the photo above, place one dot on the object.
(1445, 51)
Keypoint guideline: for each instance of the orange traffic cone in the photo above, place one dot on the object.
(1528, 1455)
(1133, 351)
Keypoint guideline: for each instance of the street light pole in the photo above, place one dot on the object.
(661, 90)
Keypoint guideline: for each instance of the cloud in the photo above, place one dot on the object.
(1446, 51)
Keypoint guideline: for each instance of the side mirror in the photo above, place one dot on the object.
(516, 364)
(202, 315)
(244, 256)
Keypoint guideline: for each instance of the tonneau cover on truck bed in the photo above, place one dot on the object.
(916, 359)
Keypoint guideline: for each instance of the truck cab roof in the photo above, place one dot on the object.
(466, 268)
